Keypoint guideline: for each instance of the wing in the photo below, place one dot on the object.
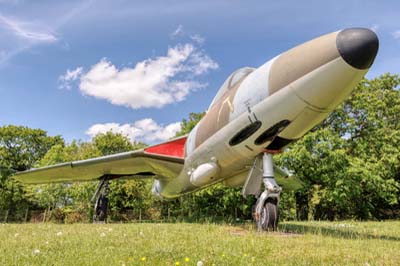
(164, 160)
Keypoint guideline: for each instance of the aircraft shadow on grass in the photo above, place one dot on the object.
(347, 233)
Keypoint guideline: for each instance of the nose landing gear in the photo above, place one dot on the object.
(265, 212)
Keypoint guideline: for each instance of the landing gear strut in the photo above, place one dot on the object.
(100, 201)
(267, 204)
(265, 211)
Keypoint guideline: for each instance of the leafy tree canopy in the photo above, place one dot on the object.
(20, 149)
(188, 124)
(351, 162)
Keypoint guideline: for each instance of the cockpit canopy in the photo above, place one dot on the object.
(231, 81)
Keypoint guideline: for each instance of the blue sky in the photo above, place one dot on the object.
(76, 68)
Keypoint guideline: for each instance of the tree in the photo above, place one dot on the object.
(124, 194)
(321, 162)
(75, 197)
(61, 195)
(350, 163)
(111, 143)
(20, 149)
(188, 125)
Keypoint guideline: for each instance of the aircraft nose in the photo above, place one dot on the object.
(358, 47)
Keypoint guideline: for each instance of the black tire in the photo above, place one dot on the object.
(272, 209)
(269, 216)
(101, 209)
(253, 212)
(102, 216)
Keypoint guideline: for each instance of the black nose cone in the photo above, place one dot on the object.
(358, 46)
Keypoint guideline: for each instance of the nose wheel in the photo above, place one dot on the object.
(266, 212)
(269, 216)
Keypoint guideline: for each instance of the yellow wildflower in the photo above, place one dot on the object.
(187, 259)
(143, 259)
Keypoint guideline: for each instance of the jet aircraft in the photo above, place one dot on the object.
(256, 113)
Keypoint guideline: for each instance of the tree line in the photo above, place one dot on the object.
(349, 165)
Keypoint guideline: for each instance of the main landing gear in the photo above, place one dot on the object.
(265, 211)
(100, 201)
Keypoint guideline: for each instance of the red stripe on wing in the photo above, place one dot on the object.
(175, 148)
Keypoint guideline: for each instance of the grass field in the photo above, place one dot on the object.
(297, 243)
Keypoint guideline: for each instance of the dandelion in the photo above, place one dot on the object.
(199, 263)
(187, 259)
(253, 259)
(244, 255)
(102, 235)
(223, 255)
(59, 234)
(141, 233)
(177, 263)
(47, 242)
(36, 252)
(143, 259)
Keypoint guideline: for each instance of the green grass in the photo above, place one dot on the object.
(297, 243)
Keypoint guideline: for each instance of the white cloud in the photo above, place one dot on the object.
(69, 76)
(396, 34)
(30, 33)
(177, 32)
(27, 30)
(145, 130)
(154, 82)
(201, 63)
(198, 39)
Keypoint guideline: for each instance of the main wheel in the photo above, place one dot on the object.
(269, 216)
(101, 209)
